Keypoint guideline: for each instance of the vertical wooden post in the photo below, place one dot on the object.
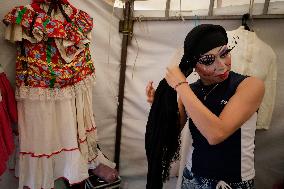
(126, 28)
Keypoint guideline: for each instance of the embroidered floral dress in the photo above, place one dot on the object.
(54, 80)
(8, 115)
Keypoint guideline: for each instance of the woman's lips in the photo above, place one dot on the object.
(224, 75)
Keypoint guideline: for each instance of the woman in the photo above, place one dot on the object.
(221, 107)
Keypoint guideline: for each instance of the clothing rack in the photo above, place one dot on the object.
(211, 16)
(215, 17)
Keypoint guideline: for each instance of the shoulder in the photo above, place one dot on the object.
(252, 82)
(252, 87)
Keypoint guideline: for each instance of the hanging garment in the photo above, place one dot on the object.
(8, 115)
(54, 80)
(251, 56)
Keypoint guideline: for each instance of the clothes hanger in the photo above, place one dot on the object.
(196, 20)
(245, 18)
(248, 16)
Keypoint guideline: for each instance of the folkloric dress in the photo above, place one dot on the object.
(54, 80)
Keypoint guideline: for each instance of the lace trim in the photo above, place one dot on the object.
(25, 92)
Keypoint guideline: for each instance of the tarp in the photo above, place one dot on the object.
(152, 47)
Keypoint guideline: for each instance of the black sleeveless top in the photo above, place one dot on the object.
(221, 161)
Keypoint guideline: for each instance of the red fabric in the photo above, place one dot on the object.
(8, 114)
(39, 69)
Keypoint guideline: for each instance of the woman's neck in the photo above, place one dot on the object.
(207, 82)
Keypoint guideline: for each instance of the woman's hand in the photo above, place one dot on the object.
(174, 76)
(150, 92)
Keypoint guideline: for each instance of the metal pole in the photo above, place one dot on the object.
(217, 17)
(126, 30)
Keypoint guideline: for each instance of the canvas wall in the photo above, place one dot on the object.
(150, 51)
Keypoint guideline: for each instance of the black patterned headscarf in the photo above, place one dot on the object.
(162, 138)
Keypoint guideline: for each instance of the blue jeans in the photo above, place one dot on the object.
(191, 181)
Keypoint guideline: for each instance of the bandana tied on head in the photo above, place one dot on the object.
(200, 40)
(162, 138)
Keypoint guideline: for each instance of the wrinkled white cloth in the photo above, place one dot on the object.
(251, 56)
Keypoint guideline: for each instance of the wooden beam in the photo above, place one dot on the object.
(126, 30)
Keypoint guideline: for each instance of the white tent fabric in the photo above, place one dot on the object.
(155, 43)
(155, 49)
(194, 7)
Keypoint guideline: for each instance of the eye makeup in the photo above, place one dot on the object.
(209, 59)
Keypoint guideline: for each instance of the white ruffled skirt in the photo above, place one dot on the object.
(58, 136)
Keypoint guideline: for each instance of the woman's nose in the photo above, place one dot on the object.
(221, 61)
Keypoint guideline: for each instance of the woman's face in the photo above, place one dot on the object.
(214, 66)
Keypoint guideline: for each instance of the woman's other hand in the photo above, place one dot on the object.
(150, 92)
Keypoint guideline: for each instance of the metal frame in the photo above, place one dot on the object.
(211, 15)
(217, 17)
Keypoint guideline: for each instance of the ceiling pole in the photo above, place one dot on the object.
(126, 28)
(168, 7)
(215, 17)
(211, 6)
(251, 3)
(265, 8)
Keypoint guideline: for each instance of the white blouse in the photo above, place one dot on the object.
(251, 56)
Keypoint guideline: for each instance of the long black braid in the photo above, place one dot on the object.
(162, 138)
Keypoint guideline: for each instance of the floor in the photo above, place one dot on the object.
(8, 181)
